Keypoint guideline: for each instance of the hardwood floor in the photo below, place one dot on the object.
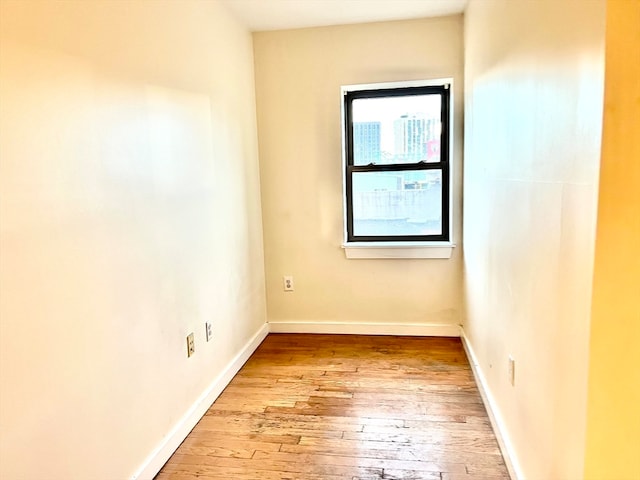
(329, 407)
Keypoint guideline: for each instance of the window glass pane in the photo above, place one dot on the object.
(403, 129)
(397, 203)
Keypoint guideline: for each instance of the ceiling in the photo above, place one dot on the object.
(258, 15)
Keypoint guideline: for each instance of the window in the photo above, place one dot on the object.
(396, 163)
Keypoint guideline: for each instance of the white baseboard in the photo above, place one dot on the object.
(497, 422)
(348, 328)
(172, 441)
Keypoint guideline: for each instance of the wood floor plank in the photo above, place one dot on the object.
(345, 407)
(307, 457)
(210, 467)
(415, 447)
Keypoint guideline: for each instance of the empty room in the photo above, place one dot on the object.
(319, 239)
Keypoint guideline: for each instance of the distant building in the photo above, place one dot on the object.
(413, 137)
(366, 142)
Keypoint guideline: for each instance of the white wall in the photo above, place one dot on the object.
(298, 79)
(129, 215)
(533, 109)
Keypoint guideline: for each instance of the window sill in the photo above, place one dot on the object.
(398, 250)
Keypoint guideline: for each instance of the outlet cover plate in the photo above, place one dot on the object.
(191, 345)
(512, 370)
(208, 330)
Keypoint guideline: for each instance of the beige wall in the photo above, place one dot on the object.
(613, 422)
(298, 79)
(129, 215)
(533, 109)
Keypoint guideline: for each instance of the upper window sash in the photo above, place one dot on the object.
(442, 90)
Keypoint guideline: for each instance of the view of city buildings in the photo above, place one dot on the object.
(397, 202)
(415, 139)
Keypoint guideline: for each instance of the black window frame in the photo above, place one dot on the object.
(444, 165)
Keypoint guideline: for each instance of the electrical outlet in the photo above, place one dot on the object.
(288, 283)
(207, 329)
(191, 345)
(511, 371)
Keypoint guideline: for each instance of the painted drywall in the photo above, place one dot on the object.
(533, 115)
(129, 216)
(613, 420)
(298, 79)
